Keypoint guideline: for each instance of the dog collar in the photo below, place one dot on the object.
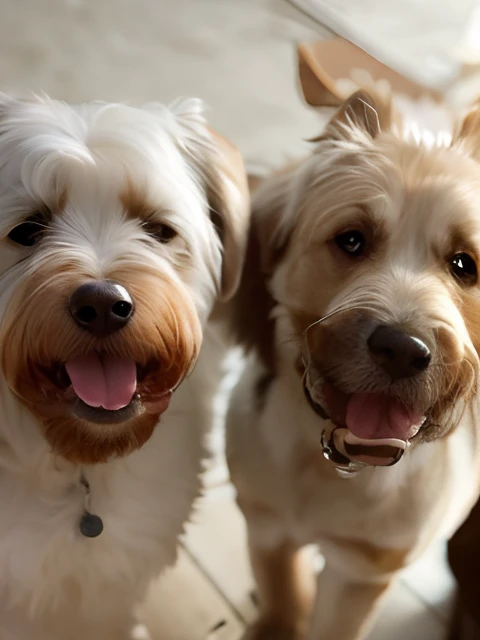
(351, 454)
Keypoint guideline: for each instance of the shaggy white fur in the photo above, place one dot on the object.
(96, 179)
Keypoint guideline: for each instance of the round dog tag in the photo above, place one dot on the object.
(91, 525)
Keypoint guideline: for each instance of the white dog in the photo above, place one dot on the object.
(119, 227)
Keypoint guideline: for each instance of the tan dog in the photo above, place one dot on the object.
(361, 301)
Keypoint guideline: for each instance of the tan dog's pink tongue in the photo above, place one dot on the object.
(374, 416)
(103, 381)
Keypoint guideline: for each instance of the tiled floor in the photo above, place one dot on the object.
(240, 57)
(208, 596)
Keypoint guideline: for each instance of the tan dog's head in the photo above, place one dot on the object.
(369, 253)
(119, 228)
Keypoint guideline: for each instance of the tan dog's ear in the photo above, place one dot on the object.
(268, 240)
(269, 223)
(229, 201)
(317, 87)
(360, 111)
(468, 135)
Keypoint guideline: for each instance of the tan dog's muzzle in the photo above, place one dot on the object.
(349, 453)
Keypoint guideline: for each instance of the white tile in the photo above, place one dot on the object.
(403, 616)
(184, 605)
(216, 538)
(430, 578)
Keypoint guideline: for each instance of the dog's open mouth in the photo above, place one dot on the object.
(368, 428)
(105, 389)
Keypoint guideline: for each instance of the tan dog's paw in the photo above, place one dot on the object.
(271, 630)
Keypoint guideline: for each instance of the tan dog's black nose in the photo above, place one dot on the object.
(400, 354)
(101, 308)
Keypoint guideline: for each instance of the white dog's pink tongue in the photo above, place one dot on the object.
(373, 416)
(103, 381)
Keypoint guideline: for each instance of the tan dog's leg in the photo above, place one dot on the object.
(344, 609)
(286, 587)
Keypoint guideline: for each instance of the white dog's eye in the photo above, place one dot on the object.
(463, 267)
(27, 233)
(351, 242)
(160, 231)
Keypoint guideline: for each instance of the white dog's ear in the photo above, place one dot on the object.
(467, 136)
(220, 168)
(229, 201)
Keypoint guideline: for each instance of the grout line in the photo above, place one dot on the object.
(443, 618)
(235, 612)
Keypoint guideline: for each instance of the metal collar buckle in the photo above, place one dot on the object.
(351, 454)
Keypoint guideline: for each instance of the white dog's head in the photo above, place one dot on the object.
(119, 228)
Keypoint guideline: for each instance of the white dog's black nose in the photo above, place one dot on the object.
(101, 307)
(400, 354)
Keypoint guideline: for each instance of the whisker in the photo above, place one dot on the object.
(335, 312)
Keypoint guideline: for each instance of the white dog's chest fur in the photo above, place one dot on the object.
(143, 500)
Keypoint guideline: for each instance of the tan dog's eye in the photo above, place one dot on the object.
(27, 234)
(160, 231)
(351, 242)
(463, 267)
